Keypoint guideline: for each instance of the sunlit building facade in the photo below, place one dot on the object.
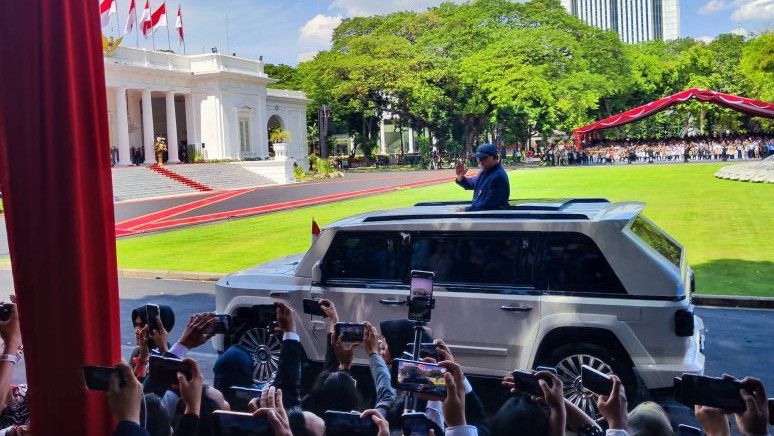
(633, 20)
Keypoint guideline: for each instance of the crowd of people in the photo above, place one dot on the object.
(691, 149)
(186, 406)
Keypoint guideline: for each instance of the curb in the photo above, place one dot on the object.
(168, 275)
(734, 301)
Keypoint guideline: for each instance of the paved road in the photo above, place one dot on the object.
(267, 195)
(738, 340)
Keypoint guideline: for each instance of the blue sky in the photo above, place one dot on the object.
(280, 30)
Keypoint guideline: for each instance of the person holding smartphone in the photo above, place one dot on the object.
(491, 187)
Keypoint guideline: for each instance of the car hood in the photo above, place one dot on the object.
(284, 266)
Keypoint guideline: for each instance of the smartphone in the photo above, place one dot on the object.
(151, 312)
(348, 424)
(97, 378)
(422, 378)
(687, 430)
(692, 389)
(595, 381)
(241, 396)
(426, 349)
(6, 310)
(312, 307)
(227, 423)
(350, 332)
(527, 382)
(220, 327)
(418, 424)
(163, 370)
(550, 369)
(421, 284)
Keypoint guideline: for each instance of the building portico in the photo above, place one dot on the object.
(212, 105)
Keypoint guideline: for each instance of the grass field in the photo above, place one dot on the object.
(727, 227)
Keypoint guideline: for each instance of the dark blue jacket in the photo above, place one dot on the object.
(491, 189)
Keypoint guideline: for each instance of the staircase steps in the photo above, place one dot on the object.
(179, 178)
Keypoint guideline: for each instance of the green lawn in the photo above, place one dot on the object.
(727, 227)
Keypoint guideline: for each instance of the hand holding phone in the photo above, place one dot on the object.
(220, 326)
(595, 381)
(348, 424)
(97, 378)
(163, 370)
(312, 307)
(226, 423)
(418, 424)
(692, 389)
(528, 383)
(350, 332)
(152, 312)
(419, 377)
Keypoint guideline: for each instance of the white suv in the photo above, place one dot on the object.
(542, 282)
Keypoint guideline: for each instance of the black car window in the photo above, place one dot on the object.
(364, 256)
(475, 258)
(572, 262)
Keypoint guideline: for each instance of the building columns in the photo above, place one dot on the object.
(382, 137)
(172, 143)
(148, 139)
(411, 140)
(122, 126)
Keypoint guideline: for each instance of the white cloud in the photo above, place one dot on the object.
(360, 8)
(317, 32)
(704, 39)
(713, 6)
(753, 10)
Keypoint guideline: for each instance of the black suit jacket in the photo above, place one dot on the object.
(288, 376)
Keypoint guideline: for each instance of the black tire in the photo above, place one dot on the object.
(566, 358)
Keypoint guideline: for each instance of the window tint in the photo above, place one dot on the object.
(572, 262)
(657, 240)
(364, 256)
(487, 259)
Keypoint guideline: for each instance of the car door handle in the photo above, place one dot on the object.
(515, 308)
(393, 302)
(278, 294)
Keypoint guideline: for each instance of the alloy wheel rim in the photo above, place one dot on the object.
(264, 348)
(568, 370)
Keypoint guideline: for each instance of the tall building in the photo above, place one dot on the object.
(633, 20)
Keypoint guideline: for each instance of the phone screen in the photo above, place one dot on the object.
(312, 307)
(596, 381)
(421, 284)
(418, 424)
(350, 332)
(527, 382)
(97, 378)
(163, 370)
(711, 391)
(240, 424)
(420, 377)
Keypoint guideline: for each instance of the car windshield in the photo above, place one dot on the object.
(657, 239)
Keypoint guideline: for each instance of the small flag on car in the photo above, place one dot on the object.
(315, 231)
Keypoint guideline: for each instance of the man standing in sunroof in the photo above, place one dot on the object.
(491, 188)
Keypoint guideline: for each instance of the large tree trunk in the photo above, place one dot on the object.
(471, 136)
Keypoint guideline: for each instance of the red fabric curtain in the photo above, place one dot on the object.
(56, 184)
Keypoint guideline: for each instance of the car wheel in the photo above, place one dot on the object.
(568, 359)
(264, 347)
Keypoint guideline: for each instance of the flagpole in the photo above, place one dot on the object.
(136, 27)
(169, 41)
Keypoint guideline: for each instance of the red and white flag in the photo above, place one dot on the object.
(315, 231)
(179, 23)
(131, 17)
(158, 19)
(145, 19)
(106, 9)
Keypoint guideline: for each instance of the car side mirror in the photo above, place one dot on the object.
(317, 273)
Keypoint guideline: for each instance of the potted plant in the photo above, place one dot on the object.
(279, 138)
(160, 146)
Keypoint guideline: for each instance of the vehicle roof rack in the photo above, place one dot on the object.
(489, 215)
(547, 204)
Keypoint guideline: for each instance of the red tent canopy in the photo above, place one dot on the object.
(741, 104)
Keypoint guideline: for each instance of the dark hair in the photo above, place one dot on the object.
(520, 412)
(333, 390)
(297, 422)
(157, 421)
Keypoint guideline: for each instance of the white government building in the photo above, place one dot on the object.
(633, 20)
(219, 104)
